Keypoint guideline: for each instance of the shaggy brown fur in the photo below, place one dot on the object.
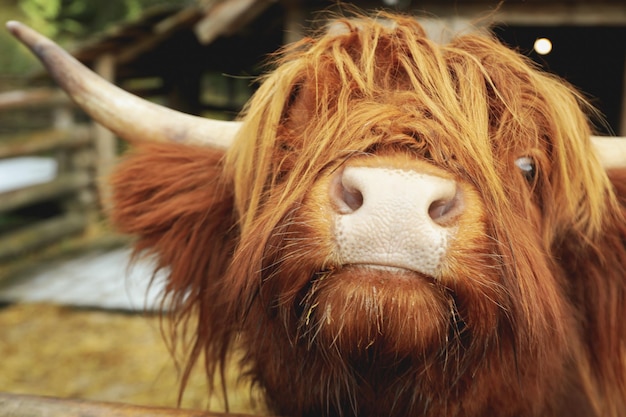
(526, 316)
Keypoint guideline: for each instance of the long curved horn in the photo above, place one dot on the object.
(611, 151)
(125, 114)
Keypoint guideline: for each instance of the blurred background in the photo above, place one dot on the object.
(76, 321)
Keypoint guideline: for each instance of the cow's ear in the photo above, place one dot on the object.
(175, 200)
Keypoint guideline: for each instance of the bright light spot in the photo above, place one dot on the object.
(543, 46)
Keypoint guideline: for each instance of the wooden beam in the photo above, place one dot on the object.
(535, 14)
(64, 184)
(44, 141)
(579, 14)
(226, 17)
(33, 406)
(38, 235)
(295, 21)
(30, 98)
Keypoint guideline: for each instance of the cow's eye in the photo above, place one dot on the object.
(526, 164)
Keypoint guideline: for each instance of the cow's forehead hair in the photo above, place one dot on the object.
(489, 101)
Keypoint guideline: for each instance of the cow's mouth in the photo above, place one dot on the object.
(384, 272)
(364, 275)
(389, 268)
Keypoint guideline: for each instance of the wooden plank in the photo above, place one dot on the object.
(579, 14)
(72, 247)
(186, 17)
(34, 97)
(13, 405)
(295, 21)
(44, 141)
(63, 185)
(590, 13)
(116, 38)
(226, 17)
(39, 235)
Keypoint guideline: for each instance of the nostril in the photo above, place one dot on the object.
(346, 197)
(444, 210)
(353, 198)
(389, 194)
(439, 209)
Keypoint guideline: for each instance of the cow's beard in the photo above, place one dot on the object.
(372, 338)
(380, 339)
(363, 311)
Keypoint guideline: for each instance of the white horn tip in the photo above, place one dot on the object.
(16, 28)
(611, 151)
(12, 25)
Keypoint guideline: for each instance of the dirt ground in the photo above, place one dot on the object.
(99, 355)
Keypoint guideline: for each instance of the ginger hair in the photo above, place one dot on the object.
(539, 326)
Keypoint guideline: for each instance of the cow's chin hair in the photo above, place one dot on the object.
(389, 313)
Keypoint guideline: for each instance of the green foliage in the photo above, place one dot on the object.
(14, 60)
(73, 18)
(66, 21)
(43, 12)
(77, 18)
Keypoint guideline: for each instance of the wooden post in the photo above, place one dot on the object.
(295, 21)
(63, 117)
(105, 140)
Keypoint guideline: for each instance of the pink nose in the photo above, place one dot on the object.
(394, 217)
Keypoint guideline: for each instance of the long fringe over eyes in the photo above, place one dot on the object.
(487, 101)
(471, 107)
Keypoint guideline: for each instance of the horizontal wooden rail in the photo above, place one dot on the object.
(41, 234)
(44, 141)
(14, 405)
(62, 185)
(66, 177)
(34, 97)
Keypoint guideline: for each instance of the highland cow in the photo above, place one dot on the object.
(398, 228)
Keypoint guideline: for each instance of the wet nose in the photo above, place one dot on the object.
(394, 217)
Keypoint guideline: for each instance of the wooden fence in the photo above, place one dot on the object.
(14, 405)
(73, 192)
